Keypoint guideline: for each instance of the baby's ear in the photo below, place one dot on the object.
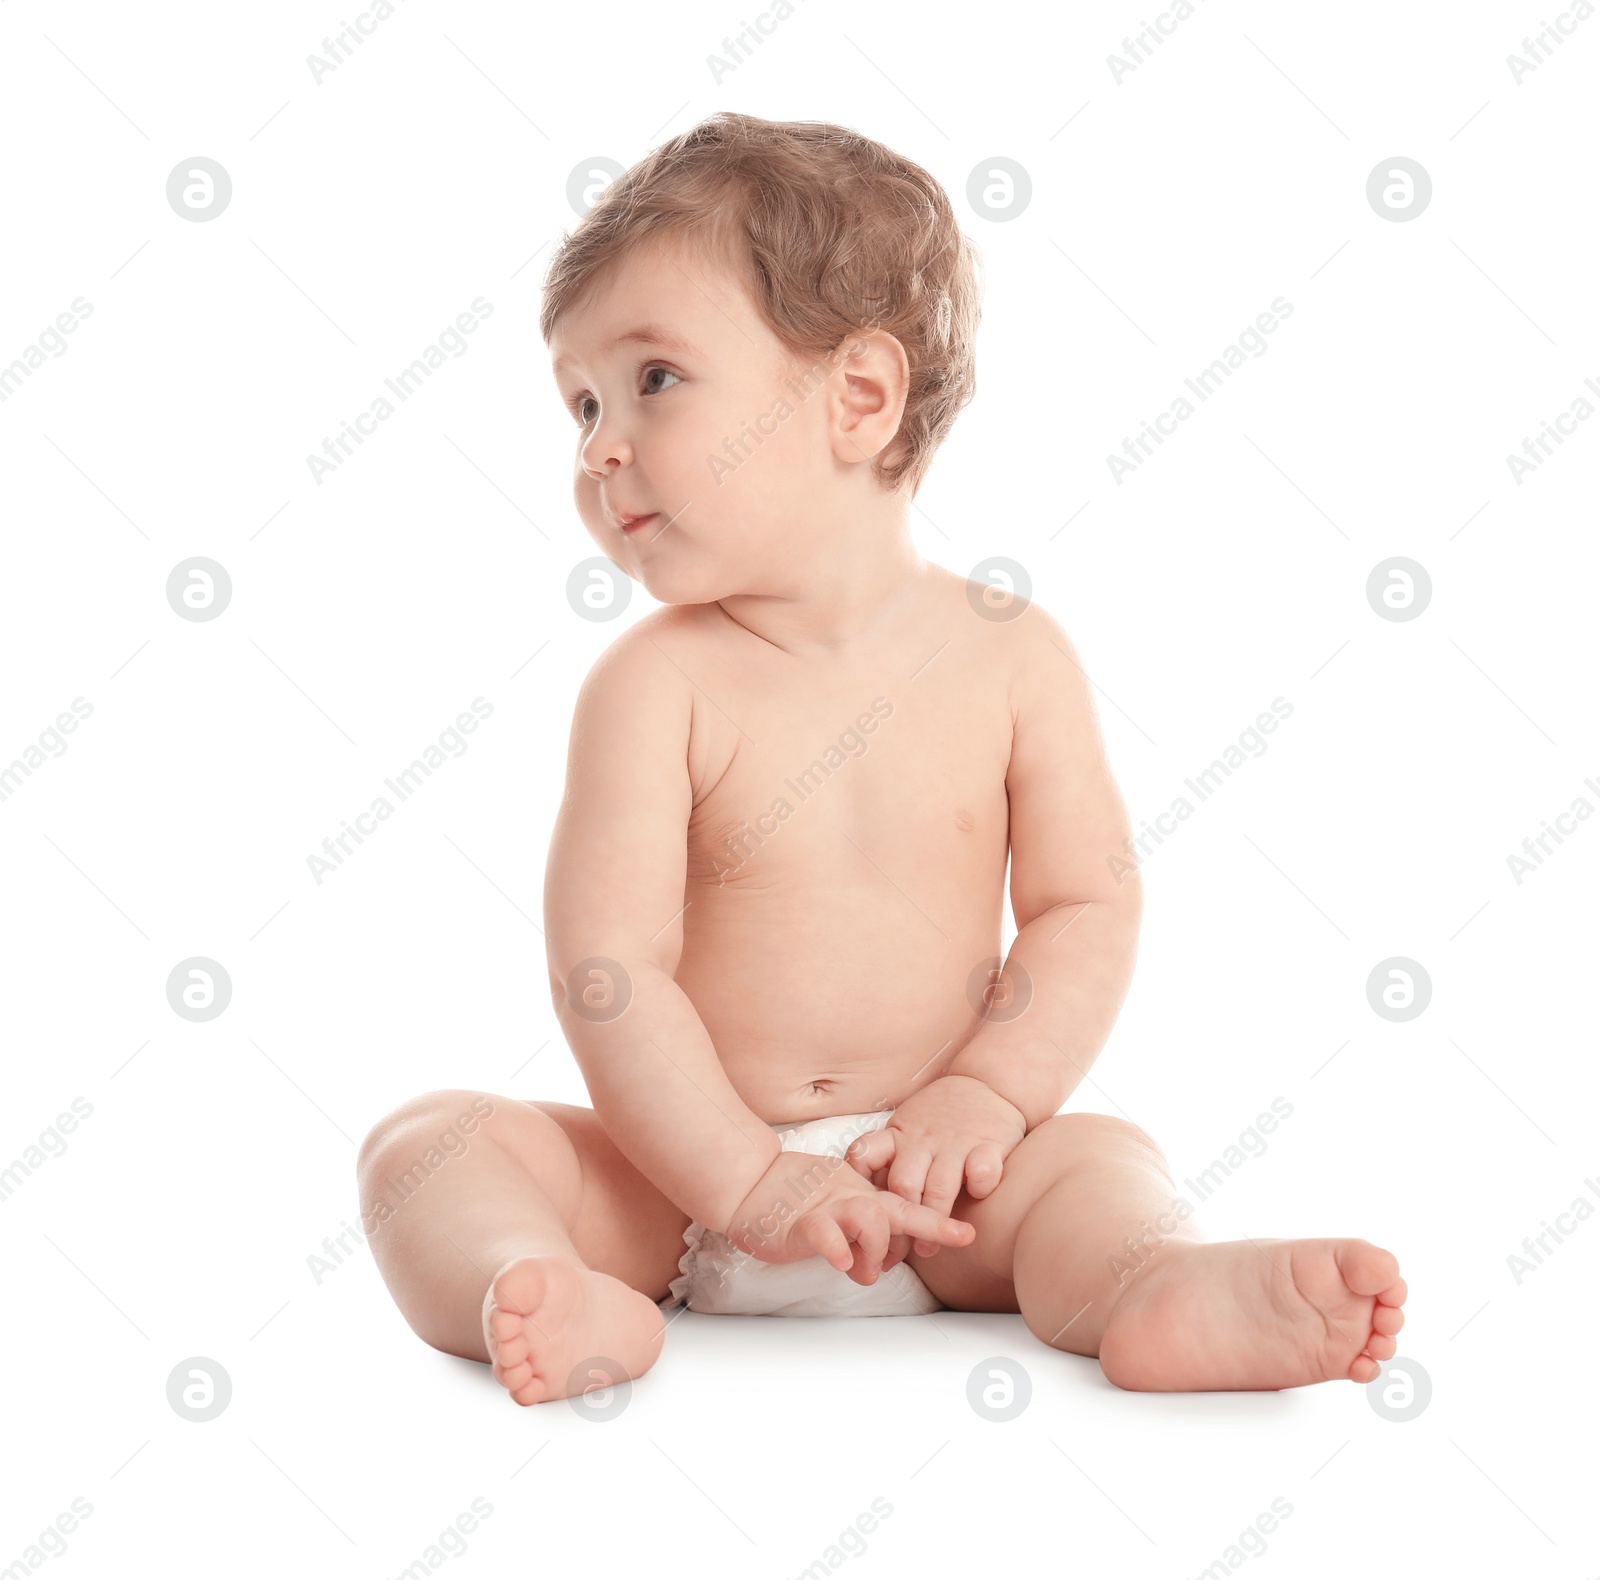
(869, 392)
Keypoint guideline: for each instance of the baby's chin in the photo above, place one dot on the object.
(669, 584)
(688, 574)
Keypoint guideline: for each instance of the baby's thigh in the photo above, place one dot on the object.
(622, 1224)
(978, 1277)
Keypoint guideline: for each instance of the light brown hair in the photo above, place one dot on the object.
(831, 232)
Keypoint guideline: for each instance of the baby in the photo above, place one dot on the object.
(773, 895)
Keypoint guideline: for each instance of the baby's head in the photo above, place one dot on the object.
(763, 331)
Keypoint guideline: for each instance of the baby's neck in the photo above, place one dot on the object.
(856, 594)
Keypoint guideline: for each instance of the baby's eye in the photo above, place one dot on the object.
(579, 404)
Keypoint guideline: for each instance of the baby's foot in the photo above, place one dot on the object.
(1255, 1314)
(543, 1316)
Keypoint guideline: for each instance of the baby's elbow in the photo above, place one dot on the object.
(594, 980)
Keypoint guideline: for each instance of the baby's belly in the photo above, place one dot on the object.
(834, 986)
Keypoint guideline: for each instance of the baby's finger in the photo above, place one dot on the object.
(871, 1152)
(909, 1171)
(816, 1232)
(985, 1164)
(867, 1226)
(940, 1192)
(900, 1244)
(925, 1224)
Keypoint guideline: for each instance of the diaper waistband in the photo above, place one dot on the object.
(830, 1135)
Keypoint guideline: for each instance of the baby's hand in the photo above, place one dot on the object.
(809, 1205)
(954, 1128)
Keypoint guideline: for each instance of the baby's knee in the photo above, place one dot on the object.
(1082, 1135)
(432, 1119)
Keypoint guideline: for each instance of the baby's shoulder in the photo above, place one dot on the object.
(659, 639)
(996, 609)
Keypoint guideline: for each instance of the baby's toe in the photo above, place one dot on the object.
(514, 1376)
(530, 1392)
(1380, 1348)
(513, 1347)
(1387, 1320)
(1368, 1269)
(1363, 1369)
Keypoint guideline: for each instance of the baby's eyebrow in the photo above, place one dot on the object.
(644, 334)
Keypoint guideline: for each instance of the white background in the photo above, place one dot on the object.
(370, 609)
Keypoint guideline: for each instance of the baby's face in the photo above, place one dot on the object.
(672, 380)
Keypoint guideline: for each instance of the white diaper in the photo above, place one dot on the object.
(714, 1276)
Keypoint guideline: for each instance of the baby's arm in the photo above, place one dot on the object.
(1076, 898)
(614, 890)
(1075, 892)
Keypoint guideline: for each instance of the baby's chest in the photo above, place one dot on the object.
(899, 774)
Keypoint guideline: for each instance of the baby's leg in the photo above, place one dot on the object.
(530, 1242)
(1087, 1237)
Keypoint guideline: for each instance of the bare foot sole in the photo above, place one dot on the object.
(1255, 1314)
(544, 1317)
